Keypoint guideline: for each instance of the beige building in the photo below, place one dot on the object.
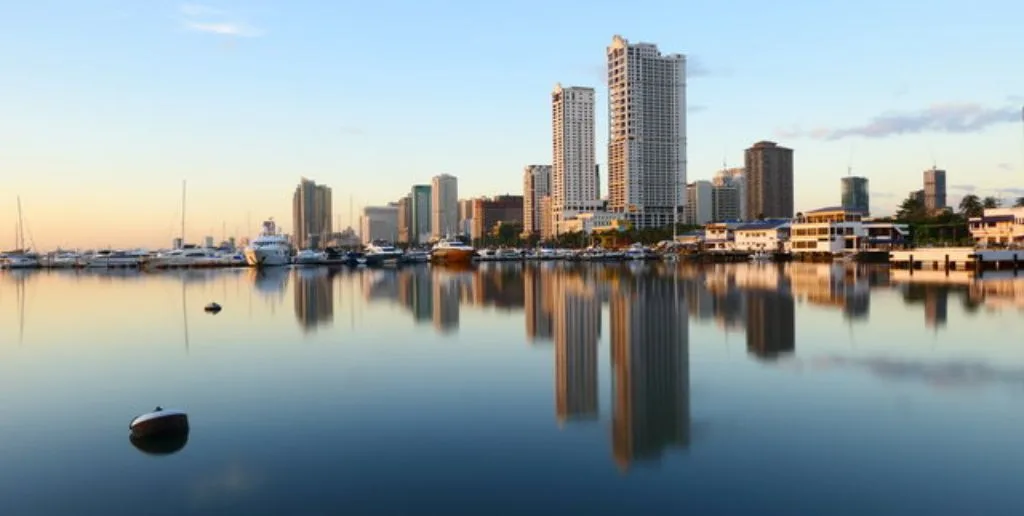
(547, 221)
(444, 205)
(769, 181)
(379, 223)
(536, 184)
(934, 189)
(646, 133)
(573, 186)
(311, 214)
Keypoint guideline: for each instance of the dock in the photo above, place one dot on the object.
(957, 259)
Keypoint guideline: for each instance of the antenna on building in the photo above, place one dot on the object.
(849, 162)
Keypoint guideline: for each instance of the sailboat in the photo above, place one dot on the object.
(21, 257)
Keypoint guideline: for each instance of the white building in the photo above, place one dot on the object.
(765, 235)
(574, 185)
(588, 222)
(720, 236)
(699, 209)
(444, 205)
(830, 230)
(379, 223)
(646, 133)
(998, 227)
(536, 184)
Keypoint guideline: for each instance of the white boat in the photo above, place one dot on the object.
(269, 249)
(382, 252)
(108, 259)
(310, 257)
(232, 258)
(187, 257)
(761, 256)
(637, 251)
(64, 260)
(19, 260)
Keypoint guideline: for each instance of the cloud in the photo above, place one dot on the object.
(203, 18)
(1015, 98)
(1005, 166)
(1014, 191)
(941, 118)
(963, 188)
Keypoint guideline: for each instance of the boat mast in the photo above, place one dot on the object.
(183, 182)
(20, 235)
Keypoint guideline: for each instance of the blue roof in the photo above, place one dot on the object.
(762, 224)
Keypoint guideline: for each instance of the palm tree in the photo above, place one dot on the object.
(990, 202)
(971, 206)
(1019, 203)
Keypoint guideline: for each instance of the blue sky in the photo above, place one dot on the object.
(109, 104)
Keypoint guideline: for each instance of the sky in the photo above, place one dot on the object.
(106, 106)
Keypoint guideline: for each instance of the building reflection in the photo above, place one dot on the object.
(538, 302)
(314, 297)
(576, 326)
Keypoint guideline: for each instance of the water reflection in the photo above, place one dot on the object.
(314, 297)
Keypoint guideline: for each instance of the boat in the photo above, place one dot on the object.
(637, 251)
(269, 249)
(212, 308)
(761, 256)
(111, 259)
(64, 260)
(380, 252)
(309, 257)
(416, 256)
(452, 251)
(188, 256)
(19, 260)
(158, 423)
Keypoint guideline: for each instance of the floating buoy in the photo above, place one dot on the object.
(212, 308)
(159, 423)
(160, 444)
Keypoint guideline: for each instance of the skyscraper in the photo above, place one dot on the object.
(731, 183)
(444, 205)
(573, 185)
(420, 225)
(311, 214)
(646, 133)
(405, 219)
(536, 184)
(769, 181)
(855, 194)
(934, 189)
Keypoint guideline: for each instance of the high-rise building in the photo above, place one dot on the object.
(934, 189)
(536, 184)
(379, 223)
(699, 203)
(573, 185)
(726, 202)
(547, 220)
(465, 216)
(311, 214)
(420, 227)
(732, 178)
(854, 194)
(487, 213)
(769, 170)
(444, 205)
(646, 133)
(405, 220)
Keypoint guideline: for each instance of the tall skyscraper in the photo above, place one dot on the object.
(646, 133)
(536, 184)
(405, 219)
(573, 185)
(379, 223)
(311, 214)
(934, 189)
(769, 181)
(700, 203)
(444, 205)
(734, 202)
(420, 226)
(855, 194)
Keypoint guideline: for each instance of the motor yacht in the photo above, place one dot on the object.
(380, 252)
(270, 248)
(19, 260)
(310, 257)
(452, 251)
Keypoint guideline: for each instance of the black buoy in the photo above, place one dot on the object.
(159, 445)
(212, 308)
(159, 423)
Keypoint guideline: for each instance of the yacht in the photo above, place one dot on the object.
(637, 251)
(310, 257)
(760, 256)
(416, 256)
(19, 260)
(64, 260)
(382, 252)
(189, 256)
(269, 249)
(109, 259)
(452, 251)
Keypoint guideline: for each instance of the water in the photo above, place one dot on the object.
(640, 389)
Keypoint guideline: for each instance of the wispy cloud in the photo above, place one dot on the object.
(963, 188)
(940, 118)
(1005, 166)
(212, 20)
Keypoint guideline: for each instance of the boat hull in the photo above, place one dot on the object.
(267, 257)
(452, 256)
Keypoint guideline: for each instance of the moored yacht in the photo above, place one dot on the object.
(269, 249)
(380, 252)
(452, 251)
(111, 259)
(189, 256)
(310, 257)
(19, 260)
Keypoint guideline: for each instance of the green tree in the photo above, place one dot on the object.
(971, 206)
(990, 202)
(911, 210)
(1019, 203)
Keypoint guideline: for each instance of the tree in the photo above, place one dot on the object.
(911, 209)
(990, 202)
(1019, 203)
(971, 206)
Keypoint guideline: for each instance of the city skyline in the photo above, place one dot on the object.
(96, 150)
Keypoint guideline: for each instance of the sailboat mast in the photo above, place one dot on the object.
(21, 228)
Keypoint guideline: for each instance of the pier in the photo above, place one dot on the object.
(957, 259)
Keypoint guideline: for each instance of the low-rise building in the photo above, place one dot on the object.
(587, 222)
(832, 230)
(720, 236)
(764, 235)
(998, 227)
(885, 236)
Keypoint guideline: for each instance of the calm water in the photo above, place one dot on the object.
(511, 389)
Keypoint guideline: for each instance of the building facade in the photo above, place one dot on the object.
(444, 204)
(573, 186)
(487, 213)
(733, 208)
(854, 194)
(699, 208)
(934, 189)
(832, 230)
(420, 225)
(769, 177)
(311, 214)
(404, 220)
(536, 184)
(547, 221)
(465, 216)
(646, 133)
(379, 223)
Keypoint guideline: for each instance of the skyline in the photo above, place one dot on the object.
(115, 103)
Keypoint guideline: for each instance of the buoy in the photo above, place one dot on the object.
(212, 307)
(159, 423)
(160, 444)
